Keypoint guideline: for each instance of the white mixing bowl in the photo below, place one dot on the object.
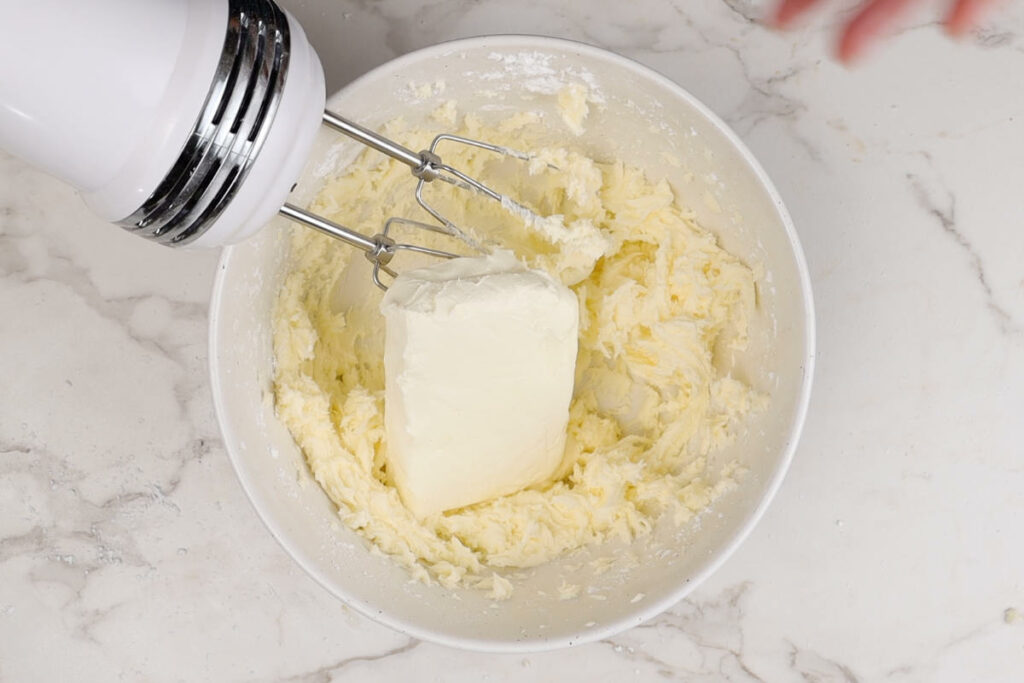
(643, 117)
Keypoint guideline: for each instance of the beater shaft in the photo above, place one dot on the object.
(346, 235)
(379, 249)
(422, 163)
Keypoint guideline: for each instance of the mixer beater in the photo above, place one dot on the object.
(426, 166)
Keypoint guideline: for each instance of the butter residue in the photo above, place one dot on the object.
(447, 114)
(568, 591)
(659, 300)
(573, 107)
(422, 91)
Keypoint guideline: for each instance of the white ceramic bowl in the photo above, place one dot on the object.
(643, 116)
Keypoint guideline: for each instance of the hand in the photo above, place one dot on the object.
(873, 17)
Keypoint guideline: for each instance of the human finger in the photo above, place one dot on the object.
(965, 14)
(868, 25)
(788, 10)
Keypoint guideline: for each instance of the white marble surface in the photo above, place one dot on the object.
(894, 551)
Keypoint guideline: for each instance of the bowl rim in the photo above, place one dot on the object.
(641, 614)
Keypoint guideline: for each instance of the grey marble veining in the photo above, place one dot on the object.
(893, 551)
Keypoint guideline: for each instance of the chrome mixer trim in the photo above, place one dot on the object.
(229, 132)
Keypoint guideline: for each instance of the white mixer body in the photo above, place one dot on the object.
(108, 95)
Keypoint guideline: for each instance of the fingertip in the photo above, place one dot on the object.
(788, 11)
(956, 26)
(849, 48)
(965, 15)
(845, 56)
(782, 17)
(954, 31)
(868, 26)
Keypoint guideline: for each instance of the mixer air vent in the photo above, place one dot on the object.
(230, 129)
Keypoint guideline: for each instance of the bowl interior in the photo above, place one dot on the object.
(641, 118)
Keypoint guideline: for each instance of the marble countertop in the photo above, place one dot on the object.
(894, 551)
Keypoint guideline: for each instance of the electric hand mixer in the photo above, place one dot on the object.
(188, 121)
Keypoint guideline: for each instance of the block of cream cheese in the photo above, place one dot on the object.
(479, 360)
